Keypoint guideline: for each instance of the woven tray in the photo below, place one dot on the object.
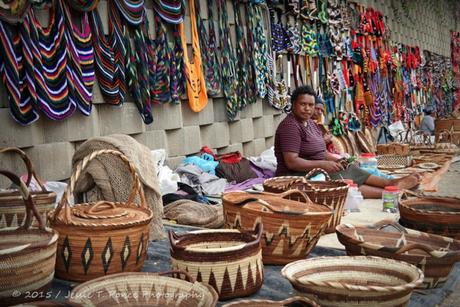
(436, 215)
(297, 301)
(27, 255)
(144, 289)
(285, 221)
(393, 161)
(434, 255)
(12, 213)
(354, 281)
(228, 260)
(331, 193)
(101, 238)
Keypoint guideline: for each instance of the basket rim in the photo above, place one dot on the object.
(52, 234)
(269, 182)
(408, 203)
(273, 302)
(344, 286)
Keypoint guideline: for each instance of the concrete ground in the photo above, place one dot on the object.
(371, 212)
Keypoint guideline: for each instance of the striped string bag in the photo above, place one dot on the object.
(81, 54)
(171, 11)
(177, 68)
(82, 5)
(209, 50)
(229, 78)
(13, 12)
(110, 64)
(47, 62)
(13, 74)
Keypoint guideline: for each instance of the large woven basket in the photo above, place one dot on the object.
(101, 238)
(145, 289)
(434, 255)
(296, 301)
(354, 281)
(291, 228)
(227, 259)
(331, 193)
(27, 255)
(437, 215)
(12, 213)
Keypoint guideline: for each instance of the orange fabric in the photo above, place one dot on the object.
(196, 84)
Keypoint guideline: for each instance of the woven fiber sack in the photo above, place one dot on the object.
(12, 213)
(291, 228)
(101, 238)
(227, 259)
(27, 255)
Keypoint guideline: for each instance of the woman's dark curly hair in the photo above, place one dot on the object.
(302, 90)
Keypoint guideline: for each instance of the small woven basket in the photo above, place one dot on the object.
(27, 255)
(145, 289)
(354, 281)
(434, 255)
(291, 228)
(331, 193)
(228, 260)
(394, 161)
(297, 301)
(12, 213)
(101, 238)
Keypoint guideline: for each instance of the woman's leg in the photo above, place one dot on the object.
(370, 191)
(378, 183)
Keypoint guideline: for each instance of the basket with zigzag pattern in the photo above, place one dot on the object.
(227, 259)
(291, 228)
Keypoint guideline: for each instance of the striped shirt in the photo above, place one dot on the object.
(293, 136)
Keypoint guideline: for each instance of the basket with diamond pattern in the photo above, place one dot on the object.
(101, 238)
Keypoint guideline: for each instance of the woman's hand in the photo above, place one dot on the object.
(331, 166)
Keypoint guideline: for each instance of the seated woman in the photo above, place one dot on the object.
(300, 147)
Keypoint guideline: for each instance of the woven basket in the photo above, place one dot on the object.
(434, 255)
(144, 289)
(47, 303)
(27, 255)
(291, 228)
(436, 215)
(297, 301)
(393, 149)
(12, 212)
(101, 238)
(354, 281)
(394, 161)
(331, 193)
(228, 260)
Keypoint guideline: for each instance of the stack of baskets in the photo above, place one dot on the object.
(27, 255)
(331, 193)
(291, 228)
(101, 238)
(12, 212)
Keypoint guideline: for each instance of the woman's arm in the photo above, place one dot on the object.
(295, 163)
(332, 157)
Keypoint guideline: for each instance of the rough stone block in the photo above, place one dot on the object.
(174, 162)
(252, 110)
(231, 148)
(216, 135)
(230, 13)
(184, 141)
(203, 9)
(258, 124)
(205, 117)
(254, 147)
(155, 139)
(269, 126)
(13, 134)
(125, 120)
(97, 94)
(188, 29)
(269, 142)
(241, 130)
(220, 113)
(52, 161)
(268, 109)
(166, 116)
(277, 120)
(78, 127)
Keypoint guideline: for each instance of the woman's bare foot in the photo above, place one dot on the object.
(408, 182)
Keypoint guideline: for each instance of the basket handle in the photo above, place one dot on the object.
(391, 223)
(298, 192)
(416, 246)
(81, 166)
(249, 198)
(406, 193)
(174, 273)
(314, 171)
(31, 210)
(29, 165)
(96, 208)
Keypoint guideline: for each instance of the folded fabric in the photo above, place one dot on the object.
(205, 164)
(202, 182)
(188, 212)
(237, 172)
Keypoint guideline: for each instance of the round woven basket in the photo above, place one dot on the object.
(27, 255)
(297, 301)
(227, 259)
(434, 255)
(331, 193)
(12, 213)
(47, 303)
(291, 228)
(144, 289)
(101, 238)
(437, 215)
(354, 281)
